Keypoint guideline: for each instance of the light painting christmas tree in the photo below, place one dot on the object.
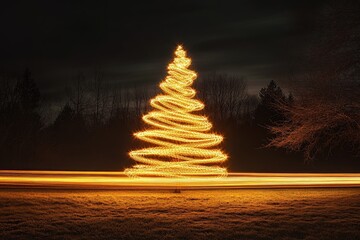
(183, 145)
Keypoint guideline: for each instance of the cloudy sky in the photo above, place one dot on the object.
(134, 41)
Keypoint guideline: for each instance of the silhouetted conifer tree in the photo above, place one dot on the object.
(21, 124)
(266, 113)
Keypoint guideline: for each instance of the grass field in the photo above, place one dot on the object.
(331, 213)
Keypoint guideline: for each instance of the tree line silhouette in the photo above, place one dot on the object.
(93, 130)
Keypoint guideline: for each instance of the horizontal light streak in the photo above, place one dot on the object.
(119, 180)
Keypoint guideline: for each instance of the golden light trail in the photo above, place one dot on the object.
(183, 144)
(119, 180)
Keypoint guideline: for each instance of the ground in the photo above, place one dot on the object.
(332, 213)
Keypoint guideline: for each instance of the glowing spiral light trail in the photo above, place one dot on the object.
(183, 144)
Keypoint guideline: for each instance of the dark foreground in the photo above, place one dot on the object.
(332, 213)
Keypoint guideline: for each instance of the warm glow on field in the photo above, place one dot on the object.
(181, 139)
(119, 180)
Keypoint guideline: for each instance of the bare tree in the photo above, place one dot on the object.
(140, 99)
(249, 105)
(120, 103)
(326, 111)
(99, 97)
(315, 127)
(78, 95)
(224, 95)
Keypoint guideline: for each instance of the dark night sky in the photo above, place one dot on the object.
(134, 42)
